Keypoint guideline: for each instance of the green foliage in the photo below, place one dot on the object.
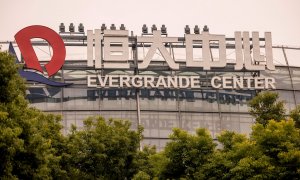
(142, 160)
(238, 159)
(280, 141)
(32, 146)
(271, 152)
(141, 176)
(104, 150)
(228, 139)
(12, 85)
(186, 153)
(28, 138)
(158, 163)
(265, 106)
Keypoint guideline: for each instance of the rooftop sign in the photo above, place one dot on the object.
(100, 45)
(109, 49)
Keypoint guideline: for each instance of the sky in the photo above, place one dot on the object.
(281, 17)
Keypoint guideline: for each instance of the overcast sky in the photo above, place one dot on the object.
(281, 17)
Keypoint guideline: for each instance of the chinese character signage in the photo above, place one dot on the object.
(110, 49)
(248, 55)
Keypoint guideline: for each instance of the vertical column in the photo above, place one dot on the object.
(290, 74)
(179, 109)
(62, 103)
(137, 91)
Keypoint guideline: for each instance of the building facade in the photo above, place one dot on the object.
(161, 82)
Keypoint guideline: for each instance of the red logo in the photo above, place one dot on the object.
(23, 39)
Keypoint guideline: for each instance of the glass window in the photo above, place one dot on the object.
(282, 77)
(288, 98)
(159, 124)
(295, 73)
(117, 99)
(44, 98)
(80, 99)
(156, 99)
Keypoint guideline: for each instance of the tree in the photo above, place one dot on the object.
(271, 152)
(266, 106)
(280, 141)
(12, 86)
(104, 150)
(27, 136)
(142, 161)
(158, 163)
(186, 153)
(141, 176)
(150, 164)
(238, 159)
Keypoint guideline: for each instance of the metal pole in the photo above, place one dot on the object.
(137, 91)
(290, 74)
(217, 94)
(62, 102)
